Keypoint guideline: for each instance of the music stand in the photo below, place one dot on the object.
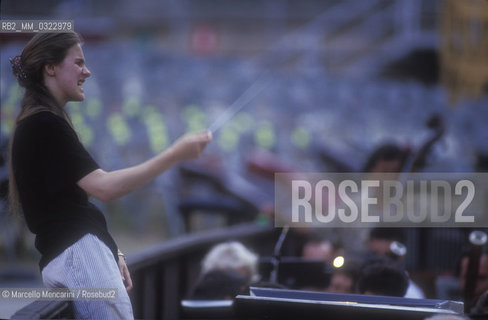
(297, 273)
(265, 303)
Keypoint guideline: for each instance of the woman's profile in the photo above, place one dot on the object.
(52, 177)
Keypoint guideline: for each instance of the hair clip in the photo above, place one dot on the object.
(17, 68)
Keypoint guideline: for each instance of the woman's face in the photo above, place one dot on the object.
(70, 75)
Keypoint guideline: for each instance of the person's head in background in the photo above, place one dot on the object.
(387, 157)
(223, 284)
(319, 247)
(381, 239)
(344, 279)
(382, 277)
(481, 164)
(231, 256)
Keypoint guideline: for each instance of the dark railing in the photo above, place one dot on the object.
(43, 309)
(163, 275)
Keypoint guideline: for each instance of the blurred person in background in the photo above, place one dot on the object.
(380, 242)
(227, 270)
(382, 277)
(388, 243)
(318, 248)
(387, 157)
(52, 176)
(344, 279)
(219, 284)
(480, 294)
(234, 256)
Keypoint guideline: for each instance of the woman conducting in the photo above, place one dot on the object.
(52, 177)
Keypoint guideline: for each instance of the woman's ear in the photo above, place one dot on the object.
(49, 69)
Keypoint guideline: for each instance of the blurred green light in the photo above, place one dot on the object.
(118, 128)
(300, 138)
(13, 100)
(228, 139)
(84, 132)
(94, 108)
(264, 135)
(7, 126)
(156, 128)
(195, 118)
(243, 122)
(131, 107)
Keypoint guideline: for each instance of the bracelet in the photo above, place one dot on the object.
(120, 254)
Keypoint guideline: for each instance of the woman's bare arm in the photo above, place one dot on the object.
(107, 186)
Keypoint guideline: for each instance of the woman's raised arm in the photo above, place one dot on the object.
(107, 186)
